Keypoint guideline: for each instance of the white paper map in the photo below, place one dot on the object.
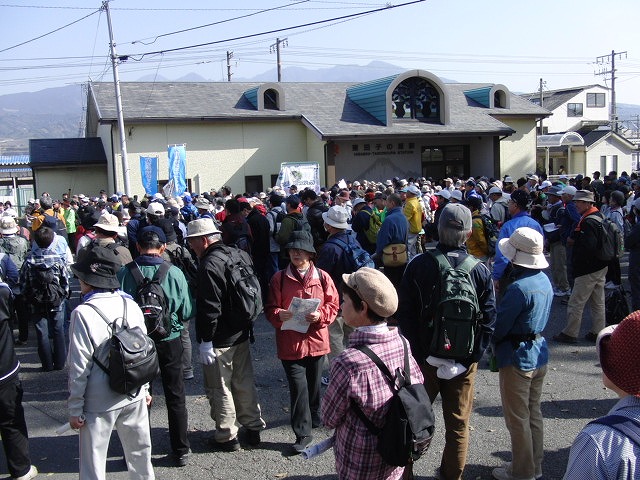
(300, 307)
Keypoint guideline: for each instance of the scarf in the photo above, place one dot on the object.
(591, 211)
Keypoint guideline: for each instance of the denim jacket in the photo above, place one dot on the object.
(524, 310)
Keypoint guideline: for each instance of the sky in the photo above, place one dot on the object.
(495, 41)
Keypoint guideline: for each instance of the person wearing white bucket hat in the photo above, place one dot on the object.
(223, 341)
(521, 351)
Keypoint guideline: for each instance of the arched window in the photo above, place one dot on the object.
(415, 98)
(499, 99)
(271, 99)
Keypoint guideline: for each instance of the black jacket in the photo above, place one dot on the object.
(586, 238)
(314, 217)
(9, 364)
(214, 319)
(419, 284)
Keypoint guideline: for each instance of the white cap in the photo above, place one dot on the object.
(569, 191)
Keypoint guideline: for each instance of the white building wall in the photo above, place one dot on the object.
(75, 180)
(608, 149)
(217, 154)
(560, 122)
(518, 151)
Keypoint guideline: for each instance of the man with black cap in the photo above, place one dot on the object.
(519, 210)
(94, 408)
(418, 295)
(151, 245)
(229, 381)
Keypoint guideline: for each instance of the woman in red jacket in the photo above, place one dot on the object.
(303, 301)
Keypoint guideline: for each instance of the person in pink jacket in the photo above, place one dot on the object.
(303, 301)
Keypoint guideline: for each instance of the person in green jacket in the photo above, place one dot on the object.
(151, 243)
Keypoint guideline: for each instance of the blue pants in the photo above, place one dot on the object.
(52, 349)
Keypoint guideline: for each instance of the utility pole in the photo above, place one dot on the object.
(542, 84)
(229, 57)
(116, 81)
(606, 59)
(276, 47)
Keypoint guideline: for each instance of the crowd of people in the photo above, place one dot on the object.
(360, 263)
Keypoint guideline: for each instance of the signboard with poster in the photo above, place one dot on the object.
(301, 174)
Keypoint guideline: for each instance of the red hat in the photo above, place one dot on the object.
(617, 348)
(369, 196)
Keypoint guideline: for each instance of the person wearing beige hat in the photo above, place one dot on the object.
(589, 271)
(608, 447)
(521, 351)
(223, 341)
(11, 243)
(369, 299)
(107, 229)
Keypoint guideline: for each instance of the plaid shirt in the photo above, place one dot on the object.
(354, 377)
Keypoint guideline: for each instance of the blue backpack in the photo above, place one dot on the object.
(353, 255)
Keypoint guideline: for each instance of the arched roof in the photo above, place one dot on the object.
(560, 140)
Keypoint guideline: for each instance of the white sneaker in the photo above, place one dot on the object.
(565, 293)
(501, 473)
(32, 473)
(507, 465)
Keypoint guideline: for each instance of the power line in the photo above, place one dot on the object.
(49, 33)
(218, 23)
(390, 7)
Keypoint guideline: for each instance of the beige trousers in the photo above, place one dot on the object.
(586, 288)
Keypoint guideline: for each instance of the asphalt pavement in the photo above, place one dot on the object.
(573, 395)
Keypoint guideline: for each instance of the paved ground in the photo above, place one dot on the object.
(573, 395)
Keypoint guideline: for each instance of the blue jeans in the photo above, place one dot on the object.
(50, 333)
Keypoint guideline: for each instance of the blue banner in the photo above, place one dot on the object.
(178, 168)
(149, 174)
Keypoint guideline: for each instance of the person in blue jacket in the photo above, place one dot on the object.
(521, 351)
(394, 229)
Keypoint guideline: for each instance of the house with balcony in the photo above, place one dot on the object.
(578, 135)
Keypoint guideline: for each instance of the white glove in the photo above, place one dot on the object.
(207, 355)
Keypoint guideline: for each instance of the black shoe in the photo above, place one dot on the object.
(188, 376)
(564, 338)
(181, 460)
(316, 422)
(229, 446)
(302, 443)
(252, 437)
(591, 337)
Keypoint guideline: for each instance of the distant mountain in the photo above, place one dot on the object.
(58, 112)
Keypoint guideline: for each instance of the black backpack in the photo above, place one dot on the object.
(455, 310)
(46, 286)
(353, 255)
(243, 287)
(151, 299)
(132, 359)
(181, 257)
(610, 240)
(409, 423)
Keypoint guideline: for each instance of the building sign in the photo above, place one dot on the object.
(301, 174)
(382, 148)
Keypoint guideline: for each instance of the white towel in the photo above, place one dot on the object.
(447, 368)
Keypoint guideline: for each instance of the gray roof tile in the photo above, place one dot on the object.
(324, 106)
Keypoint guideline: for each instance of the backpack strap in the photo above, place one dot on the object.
(385, 371)
(111, 325)
(629, 427)
(139, 278)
